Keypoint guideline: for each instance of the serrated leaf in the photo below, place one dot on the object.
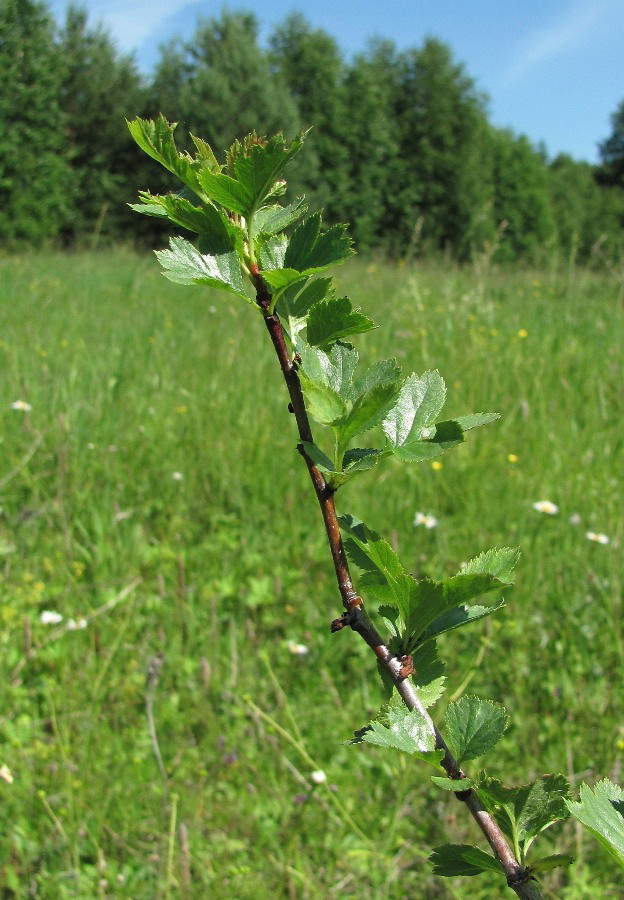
(601, 810)
(323, 403)
(309, 252)
(523, 812)
(367, 411)
(475, 420)
(335, 369)
(320, 459)
(500, 562)
(416, 409)
(419, 602)
(368, 550)
(427, 600)
(309, 249)
(333, 320)
(429, 679)
(225, 191)
(407, 730)
(444, 436)
(272, 219)
(261, 166)
(186, 265)
(462, 859)
(206, 220)
(452, 784)
(361, 460)
(271, 250)
(456, 618)
(474, 726)
(155, 137)
(547, 863)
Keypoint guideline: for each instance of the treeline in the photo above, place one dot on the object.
(401, 145)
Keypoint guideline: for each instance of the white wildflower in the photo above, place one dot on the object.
(177, 476)
(21, 405)
(6, 774)
(318, 777)
(545, 506)
(76, 625)
(49, 617)
(297, 649)
(575, 519)
(425, 519)
(598, 538)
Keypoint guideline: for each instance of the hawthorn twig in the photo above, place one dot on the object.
(355, 616)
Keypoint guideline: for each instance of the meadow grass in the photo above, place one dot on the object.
(153, 489)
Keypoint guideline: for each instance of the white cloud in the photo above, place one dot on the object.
(130, 24)
(562, 33)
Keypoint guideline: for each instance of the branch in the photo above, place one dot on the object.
(357, 619)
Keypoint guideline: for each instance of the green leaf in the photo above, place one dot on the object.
(156, 139)
(499, 562)
(201, 219)
(475, 420)
(452, 784)
(368, 550)
(407, 731)
(225, 191)
(456, 618)
(334, 369)
(333, 320)
(462, 859)
(271, 249)
(186, 265)
(601, 810)
(419, 602)
(309, 250)
(320, 460)
(323, 403)
(417, 407)
(429, 679)
(523, 812)
(547, 863)
(272, 219)
(295, 301)
(444, 436)
(474, 726)
(361, 460)
(367, 410)
(259, 167)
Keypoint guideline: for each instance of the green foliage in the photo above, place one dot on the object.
(398, 728)
(601, 810)
(462, 859)
(99, 89)
(524, 812)
(474, 727)
(33, 157)
(422, 609)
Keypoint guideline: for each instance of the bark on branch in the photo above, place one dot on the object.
(355, 616)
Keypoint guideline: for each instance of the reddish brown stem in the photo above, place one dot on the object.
(356, 618)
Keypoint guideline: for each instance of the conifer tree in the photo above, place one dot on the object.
(33, 166)
(310, 63)
(99, 91)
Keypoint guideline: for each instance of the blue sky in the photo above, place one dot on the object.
(553, 69)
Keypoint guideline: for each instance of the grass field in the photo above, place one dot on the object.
(152, 493)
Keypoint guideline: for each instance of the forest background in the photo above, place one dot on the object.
(402, 146)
